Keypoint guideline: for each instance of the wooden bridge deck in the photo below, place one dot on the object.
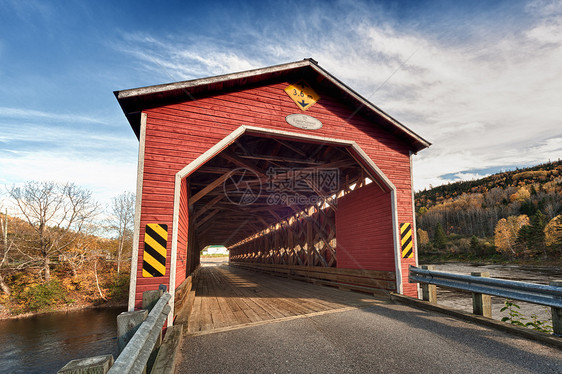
(227, 298)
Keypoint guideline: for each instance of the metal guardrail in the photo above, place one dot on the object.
(134, 357)
(528, 292)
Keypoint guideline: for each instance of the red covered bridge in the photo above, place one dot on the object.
(286, 166)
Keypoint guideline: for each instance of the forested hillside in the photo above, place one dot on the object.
(515, 214)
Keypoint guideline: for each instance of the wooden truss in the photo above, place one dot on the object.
(307, 239)
(302, 233)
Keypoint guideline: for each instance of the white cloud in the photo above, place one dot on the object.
(43, 146)
(22, 113)
(170, 62)
(430, 167)
(116, 175)
(487, 101)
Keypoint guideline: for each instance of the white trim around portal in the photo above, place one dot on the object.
(231, 138)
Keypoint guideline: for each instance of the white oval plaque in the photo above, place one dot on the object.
(302, 121)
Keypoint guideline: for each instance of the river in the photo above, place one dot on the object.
(522, 273)
(46, 342)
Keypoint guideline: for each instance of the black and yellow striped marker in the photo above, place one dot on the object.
(406, 240)
(154, 256)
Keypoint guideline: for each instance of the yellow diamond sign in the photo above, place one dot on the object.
(302, 94)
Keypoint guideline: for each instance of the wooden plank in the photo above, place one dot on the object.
(194, 320)
(207, 206)
(206, 319)
(284, 303)
(211, 186)
(256, 304)
(294, 299)
(230, 296)
(218, 317)
(325, 275)
(251, 310)
(266, 304)
(383, 275)
(238, 315)
(232, 311)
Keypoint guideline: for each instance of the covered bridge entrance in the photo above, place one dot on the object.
(286, 166)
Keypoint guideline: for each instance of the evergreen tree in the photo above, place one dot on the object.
(474, 244)
(528, 208)
(532, 236)
(440, 238)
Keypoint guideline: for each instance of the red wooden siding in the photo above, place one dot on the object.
(364, 230)
(177, 134)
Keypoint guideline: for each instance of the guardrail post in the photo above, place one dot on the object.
(429, 291)
(556, 312)
(127, 324)
(90, 365)
(481, 303)
(135, 356)
(149, 300)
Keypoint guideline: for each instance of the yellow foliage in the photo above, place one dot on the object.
(552, 236)
(506, 232)
(4, 298)
(531, 174)
(423, 237)
(521, 195)
(69, 284)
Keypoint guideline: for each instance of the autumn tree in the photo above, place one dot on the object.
(440, 238)
(532, 236)
(505, 234)
(4, 253)
(553, 232)
(80, 251)
(522, 194)
(423, 237)
(475, 245)
(121, 221)
(57, 214)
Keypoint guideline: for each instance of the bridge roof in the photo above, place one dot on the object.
(134, 101)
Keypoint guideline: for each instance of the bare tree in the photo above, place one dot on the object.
(4, 253)
(121, 221)
(77, 254)
(57, 213)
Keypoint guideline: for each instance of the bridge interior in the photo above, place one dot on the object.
(228, 297)
(236, 185)
(273, 200)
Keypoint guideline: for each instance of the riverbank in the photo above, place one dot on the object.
(88, 289)
(443, 258)
(5, 315)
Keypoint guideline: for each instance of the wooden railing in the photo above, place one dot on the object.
(379, 283)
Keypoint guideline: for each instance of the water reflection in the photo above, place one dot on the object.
(45, 343)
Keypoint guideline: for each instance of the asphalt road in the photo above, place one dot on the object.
(379, 339)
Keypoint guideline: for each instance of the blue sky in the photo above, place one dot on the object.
(481, 80)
